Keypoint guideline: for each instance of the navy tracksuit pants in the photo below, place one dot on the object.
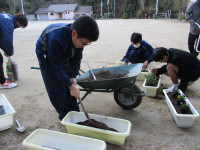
(58, 92)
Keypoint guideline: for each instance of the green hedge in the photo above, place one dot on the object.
(125, 16)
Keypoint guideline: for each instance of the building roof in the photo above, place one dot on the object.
(41, 11)
(61, 7)
(86, 9)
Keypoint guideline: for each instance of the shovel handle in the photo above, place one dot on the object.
(18, 123)
(91, 71)
(86, 114)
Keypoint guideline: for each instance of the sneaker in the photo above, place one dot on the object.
(8, 85)
(173, 86)
(190, 83)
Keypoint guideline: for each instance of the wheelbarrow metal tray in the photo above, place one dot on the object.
(131, 70)
(42, 139)
(121, 125)
(6, 119)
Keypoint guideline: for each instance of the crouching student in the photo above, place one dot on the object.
(180, 65)
(139, 51)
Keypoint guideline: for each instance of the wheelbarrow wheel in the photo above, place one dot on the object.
(126, 99)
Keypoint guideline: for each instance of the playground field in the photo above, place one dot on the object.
(153, 127)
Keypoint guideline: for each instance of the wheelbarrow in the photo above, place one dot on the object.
(126, 94)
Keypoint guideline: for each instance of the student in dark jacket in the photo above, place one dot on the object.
(7, 25)
(139, 51)
(59, 52)
(192, 14)
(180, 65)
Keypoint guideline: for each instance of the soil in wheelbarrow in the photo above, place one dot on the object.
(102, 75)
(96, 124)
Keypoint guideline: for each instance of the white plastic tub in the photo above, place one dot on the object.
(141, 76)
(182, 120)
(121, 125)
(42, 139)
(121, 62)
(152, 90)
(6, 120)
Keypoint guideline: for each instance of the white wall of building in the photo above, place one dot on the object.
(51, 16)
(68, 15)
(65, 15)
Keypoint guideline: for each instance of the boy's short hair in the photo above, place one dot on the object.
(86, 27)
(21, 18)
(136, 37)
(158, 53)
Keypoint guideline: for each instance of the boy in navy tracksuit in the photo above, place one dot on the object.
(180, 65)
(7, 25)
(139, 51)
(59, 52)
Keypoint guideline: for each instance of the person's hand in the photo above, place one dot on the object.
(191, 21)
(73, 80)
(74, 91)
(154, 71)
(145, 64)
(129, 63)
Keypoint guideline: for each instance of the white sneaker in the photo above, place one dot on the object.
(173, 86)
(190, 83)
(8, 85)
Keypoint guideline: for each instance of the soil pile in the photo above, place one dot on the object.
(96, 124)
(174, 103)
(101, 75)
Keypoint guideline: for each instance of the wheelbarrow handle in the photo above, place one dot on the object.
(35, 67)
(141, 94)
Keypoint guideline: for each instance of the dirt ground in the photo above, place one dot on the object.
(153, 127)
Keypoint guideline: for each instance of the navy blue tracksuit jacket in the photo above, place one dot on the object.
(139, 55)
(7, 26)
(59, 61)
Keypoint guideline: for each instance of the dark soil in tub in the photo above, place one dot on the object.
(2, 111)
(96, 124)
(101, 75)
(174, 103)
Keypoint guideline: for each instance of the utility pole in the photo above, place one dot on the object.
(114, 8)
(156, 7)
(101, 9)
(22, 6)
(108, 8)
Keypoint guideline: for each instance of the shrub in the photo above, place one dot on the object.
(125, 16)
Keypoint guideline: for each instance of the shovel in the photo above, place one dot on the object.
(19, 128)
(91, 71)
(86, 114)
(94, 123)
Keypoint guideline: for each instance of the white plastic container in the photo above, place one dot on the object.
(152, 90)
(121, 62)
(6, 120)
(182, 120)
(121, 125)
(42, 139)
(141, 76)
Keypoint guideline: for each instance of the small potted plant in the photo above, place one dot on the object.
(143, 73)
(180, 99)
(151, 84)
(150, 79)
(175, 93)
(181, 119)
(185, 109)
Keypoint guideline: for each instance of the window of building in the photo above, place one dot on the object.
(51, 14)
